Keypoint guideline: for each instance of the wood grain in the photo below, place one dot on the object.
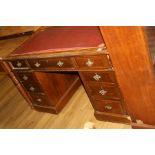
(7, 46)
(12, 30)
(15, 112)
(134, 69)
(1, 68)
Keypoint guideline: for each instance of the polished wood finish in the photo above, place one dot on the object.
(28, 81)
(54, 89)
(25, 76)
(109, 106)
(103, 116)
(99, 76)
(18, 64)
(40, 99)
(16, 82)
(150, 38)
(43, 62)
(1, 67)
(122, 63)
(58, 87)
(100, 62)
(131, 60)
(109, 91)
(53, 63)
(16, 114)
(142, 126)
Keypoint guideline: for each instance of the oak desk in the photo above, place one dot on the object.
(50, 66)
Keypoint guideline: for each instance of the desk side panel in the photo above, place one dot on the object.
(132, 63)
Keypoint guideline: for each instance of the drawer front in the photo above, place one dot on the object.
(109, 106)
(25, 77)
(98, 76)
(111, 117)
(40, 99)
(18, 64)
(28, 81)
(32, 87)
(92, 62)
(104, 91)
(58, 63)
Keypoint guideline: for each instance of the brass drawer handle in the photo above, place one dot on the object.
(89, 63)
(60, 63)
(97, 77)
(39, 100)
(19, 64)
(32, 88)
(102, 92)
(108, 107)
(37, 64)
(25, 77)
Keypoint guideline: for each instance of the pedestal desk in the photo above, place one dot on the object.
(113, 64)
(50, 66)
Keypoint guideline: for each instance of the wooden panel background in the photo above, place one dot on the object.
(134, 70)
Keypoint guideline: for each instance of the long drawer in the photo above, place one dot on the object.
(93, 62)
(102, 91)
(40, 99)
(119, 118)
(28, 81)
(109, 106)
(18, 64)
(99, 76)
(52, 63)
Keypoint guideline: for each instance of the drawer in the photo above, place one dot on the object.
(32, 87)
(100, 76)
(109, 106)
(92, 62)
(28, 80)
(104, 91)
(112, 117)
(25, 77)
(18, 64)
(40, 99)
(57, 63)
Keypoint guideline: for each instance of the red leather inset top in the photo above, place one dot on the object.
(61, 39)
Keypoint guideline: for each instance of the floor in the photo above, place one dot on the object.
(15, 112)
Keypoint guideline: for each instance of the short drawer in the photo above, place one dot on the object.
(92, 62)
(104, 91)
(28, 81)
(109, 106)
(99, 76)
(18, 64)
(40, 99)
(25, 77)
(32, 87)
(57, 63)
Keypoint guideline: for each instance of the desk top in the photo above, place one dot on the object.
(58, 39)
